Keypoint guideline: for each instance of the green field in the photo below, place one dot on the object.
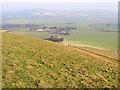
(105, 40)
(83, 36)
(102, 26)
(29, 62)
(42, 35)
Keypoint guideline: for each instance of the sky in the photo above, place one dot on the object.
(10, 1)
(60, 4)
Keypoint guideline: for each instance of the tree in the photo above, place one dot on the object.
(55, 39)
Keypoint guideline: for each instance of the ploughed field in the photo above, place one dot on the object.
(29, 62)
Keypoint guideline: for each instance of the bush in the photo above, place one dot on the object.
(55, 39)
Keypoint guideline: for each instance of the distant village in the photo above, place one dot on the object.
(55, 30)
(42, 27)
(38, 28)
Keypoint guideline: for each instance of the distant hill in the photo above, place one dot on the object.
(35, 63)
(46, 13)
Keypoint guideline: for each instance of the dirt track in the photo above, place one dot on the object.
(91, 54)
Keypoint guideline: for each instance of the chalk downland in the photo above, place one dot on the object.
(29, 62)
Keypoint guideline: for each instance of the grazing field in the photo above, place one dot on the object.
(30, 62)
(112, 27)
(42, 35)
(105, 40)
(84, 35)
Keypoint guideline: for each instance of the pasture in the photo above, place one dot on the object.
(84, 35)
(36, 34)
(105, 40)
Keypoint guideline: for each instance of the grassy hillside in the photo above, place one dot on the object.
(34, 63)
(111, 55)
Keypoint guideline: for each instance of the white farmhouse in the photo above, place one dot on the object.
(39, 30)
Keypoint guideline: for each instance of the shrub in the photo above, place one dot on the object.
(55, 39)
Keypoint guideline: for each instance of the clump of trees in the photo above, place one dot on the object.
(55, 39)
(8, 26)
(63, 28)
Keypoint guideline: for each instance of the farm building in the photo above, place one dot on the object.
(5, 31)
(39, 30)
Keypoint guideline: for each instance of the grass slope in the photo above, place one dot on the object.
(111, 55)
(34, 63)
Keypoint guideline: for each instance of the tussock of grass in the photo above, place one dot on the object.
(34, 63)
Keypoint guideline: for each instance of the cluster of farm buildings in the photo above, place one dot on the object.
(54, 30)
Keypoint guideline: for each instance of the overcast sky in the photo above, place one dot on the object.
(60, 4)
(10, 1)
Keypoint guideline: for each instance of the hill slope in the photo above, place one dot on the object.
(35, 63)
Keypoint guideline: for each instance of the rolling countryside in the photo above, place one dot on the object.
(29, 62)
(59, 44)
